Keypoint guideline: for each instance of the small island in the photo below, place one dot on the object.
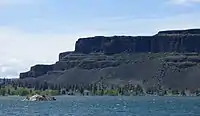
(37, 97)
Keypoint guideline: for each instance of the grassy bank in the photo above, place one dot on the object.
(22, 91)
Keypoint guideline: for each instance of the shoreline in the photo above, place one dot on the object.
(108, 96)
(94, 91)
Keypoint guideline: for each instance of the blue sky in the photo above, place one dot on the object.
(36, 31)
(66, 16)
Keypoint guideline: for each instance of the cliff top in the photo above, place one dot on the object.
(181, 32)
(190, 32)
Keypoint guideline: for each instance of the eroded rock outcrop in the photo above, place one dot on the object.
(37, 70)
(167, 57)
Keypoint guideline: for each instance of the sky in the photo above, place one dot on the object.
(36, 31)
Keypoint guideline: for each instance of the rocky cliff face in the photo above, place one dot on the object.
(164, 41)
(167, 57)
(37, 70)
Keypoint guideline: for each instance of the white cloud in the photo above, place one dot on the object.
(184, 2)
(20, 50)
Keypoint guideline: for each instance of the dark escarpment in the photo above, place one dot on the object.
(170, 58)
(164, 41)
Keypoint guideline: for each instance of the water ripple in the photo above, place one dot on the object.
(103, 106)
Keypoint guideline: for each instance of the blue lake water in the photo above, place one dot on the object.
(102, 106)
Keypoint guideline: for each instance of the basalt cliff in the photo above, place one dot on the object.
(168, 58)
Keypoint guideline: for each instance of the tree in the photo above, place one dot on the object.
(197, 92)
(94, 89)
(139, 90)
(102, 92)
(9, 92)
(59, 88)
(183, 93)
(55, 87)
(3, 91)
(81, 91)
(90, 87)
(149, 90)
(63, 91)
(31, 91)
(37, 85)
(165, 92)
(4, 81)
(112, 86)
(121, 91)
(175, 92)
(45, 86)
(23, 92)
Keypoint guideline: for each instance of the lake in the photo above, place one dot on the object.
(102, 106)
